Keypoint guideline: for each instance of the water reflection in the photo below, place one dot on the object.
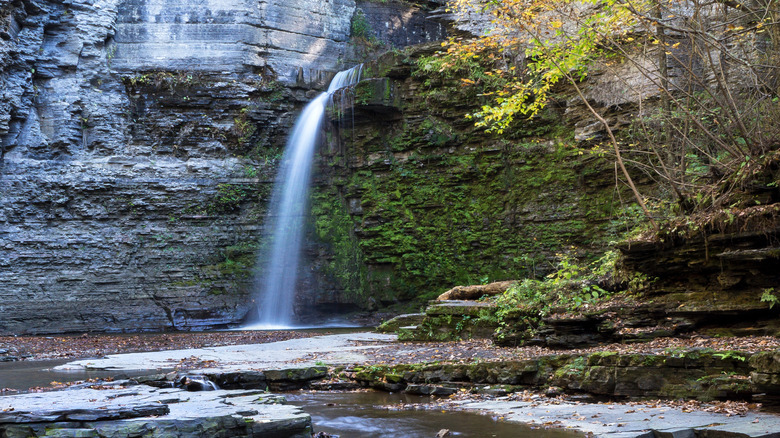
(24, 375)
(375, 415)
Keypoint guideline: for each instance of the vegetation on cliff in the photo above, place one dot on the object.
(704, 88)
(681, 97)
(430, 201)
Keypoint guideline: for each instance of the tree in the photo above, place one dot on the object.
(703, 128)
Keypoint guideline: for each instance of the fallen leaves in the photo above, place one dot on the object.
(194, 362)
(483, 350)
(98, 345)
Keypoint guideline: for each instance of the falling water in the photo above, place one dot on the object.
(286, 216)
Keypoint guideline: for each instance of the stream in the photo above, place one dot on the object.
(373, 415)
(27, 374)
(343, 414)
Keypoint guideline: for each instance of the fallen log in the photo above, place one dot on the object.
(476, 292)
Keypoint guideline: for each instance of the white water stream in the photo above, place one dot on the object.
(284, 226)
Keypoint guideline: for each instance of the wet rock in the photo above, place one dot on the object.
(695, 374)
(341, 385)
(634, 420)
(430, 390)
(239, 380)
(193, 382)
(765, 374)
(553, 391)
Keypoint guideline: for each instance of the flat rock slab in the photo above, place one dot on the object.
(633, 421)
(300, 353)
(140, 410)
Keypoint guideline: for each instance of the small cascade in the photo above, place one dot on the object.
(195, 382)
(283, 239)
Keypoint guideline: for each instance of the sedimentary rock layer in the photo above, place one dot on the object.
(139, 141)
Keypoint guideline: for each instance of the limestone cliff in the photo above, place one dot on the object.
(139, 140)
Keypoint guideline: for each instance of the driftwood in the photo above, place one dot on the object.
(475, 292)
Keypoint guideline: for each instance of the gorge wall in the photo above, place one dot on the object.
(140, 139)
(139, 142)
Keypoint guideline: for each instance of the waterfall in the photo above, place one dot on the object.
(283, 236)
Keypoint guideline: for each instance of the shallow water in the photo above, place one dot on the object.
(23, 375)
(372, 415)
(348, 415)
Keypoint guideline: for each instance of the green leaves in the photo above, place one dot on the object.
(551, 52)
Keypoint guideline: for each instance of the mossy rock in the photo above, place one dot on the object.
(409, 319)
(767, 362)
(459, 308)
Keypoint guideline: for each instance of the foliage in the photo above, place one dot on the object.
(768, 296)
(362, 31)
(707, 133)
(731, 355)
(271, 89)
(164, 80)
(569, 288)
(531, 46)
(243, 127)
(471, 71)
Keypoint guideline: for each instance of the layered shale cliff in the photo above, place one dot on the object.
(139, 142)
(140, 139)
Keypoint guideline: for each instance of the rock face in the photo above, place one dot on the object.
(722, 279)
(220, 35)
(414, 199)
(139, 142)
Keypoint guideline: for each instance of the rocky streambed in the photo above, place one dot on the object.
(165, 403)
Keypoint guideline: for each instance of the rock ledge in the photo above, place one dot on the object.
(151, 412)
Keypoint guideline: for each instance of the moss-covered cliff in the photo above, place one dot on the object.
(412, 199)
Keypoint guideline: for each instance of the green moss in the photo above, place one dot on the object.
(334, 226)
(271, 91)
(443, 219)
(574, 368)
(226, 199)
(364, 92)
(428, 202)
(602, 358)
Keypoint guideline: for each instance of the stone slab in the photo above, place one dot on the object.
(308, 352)
(634, 420)
(142, 410)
